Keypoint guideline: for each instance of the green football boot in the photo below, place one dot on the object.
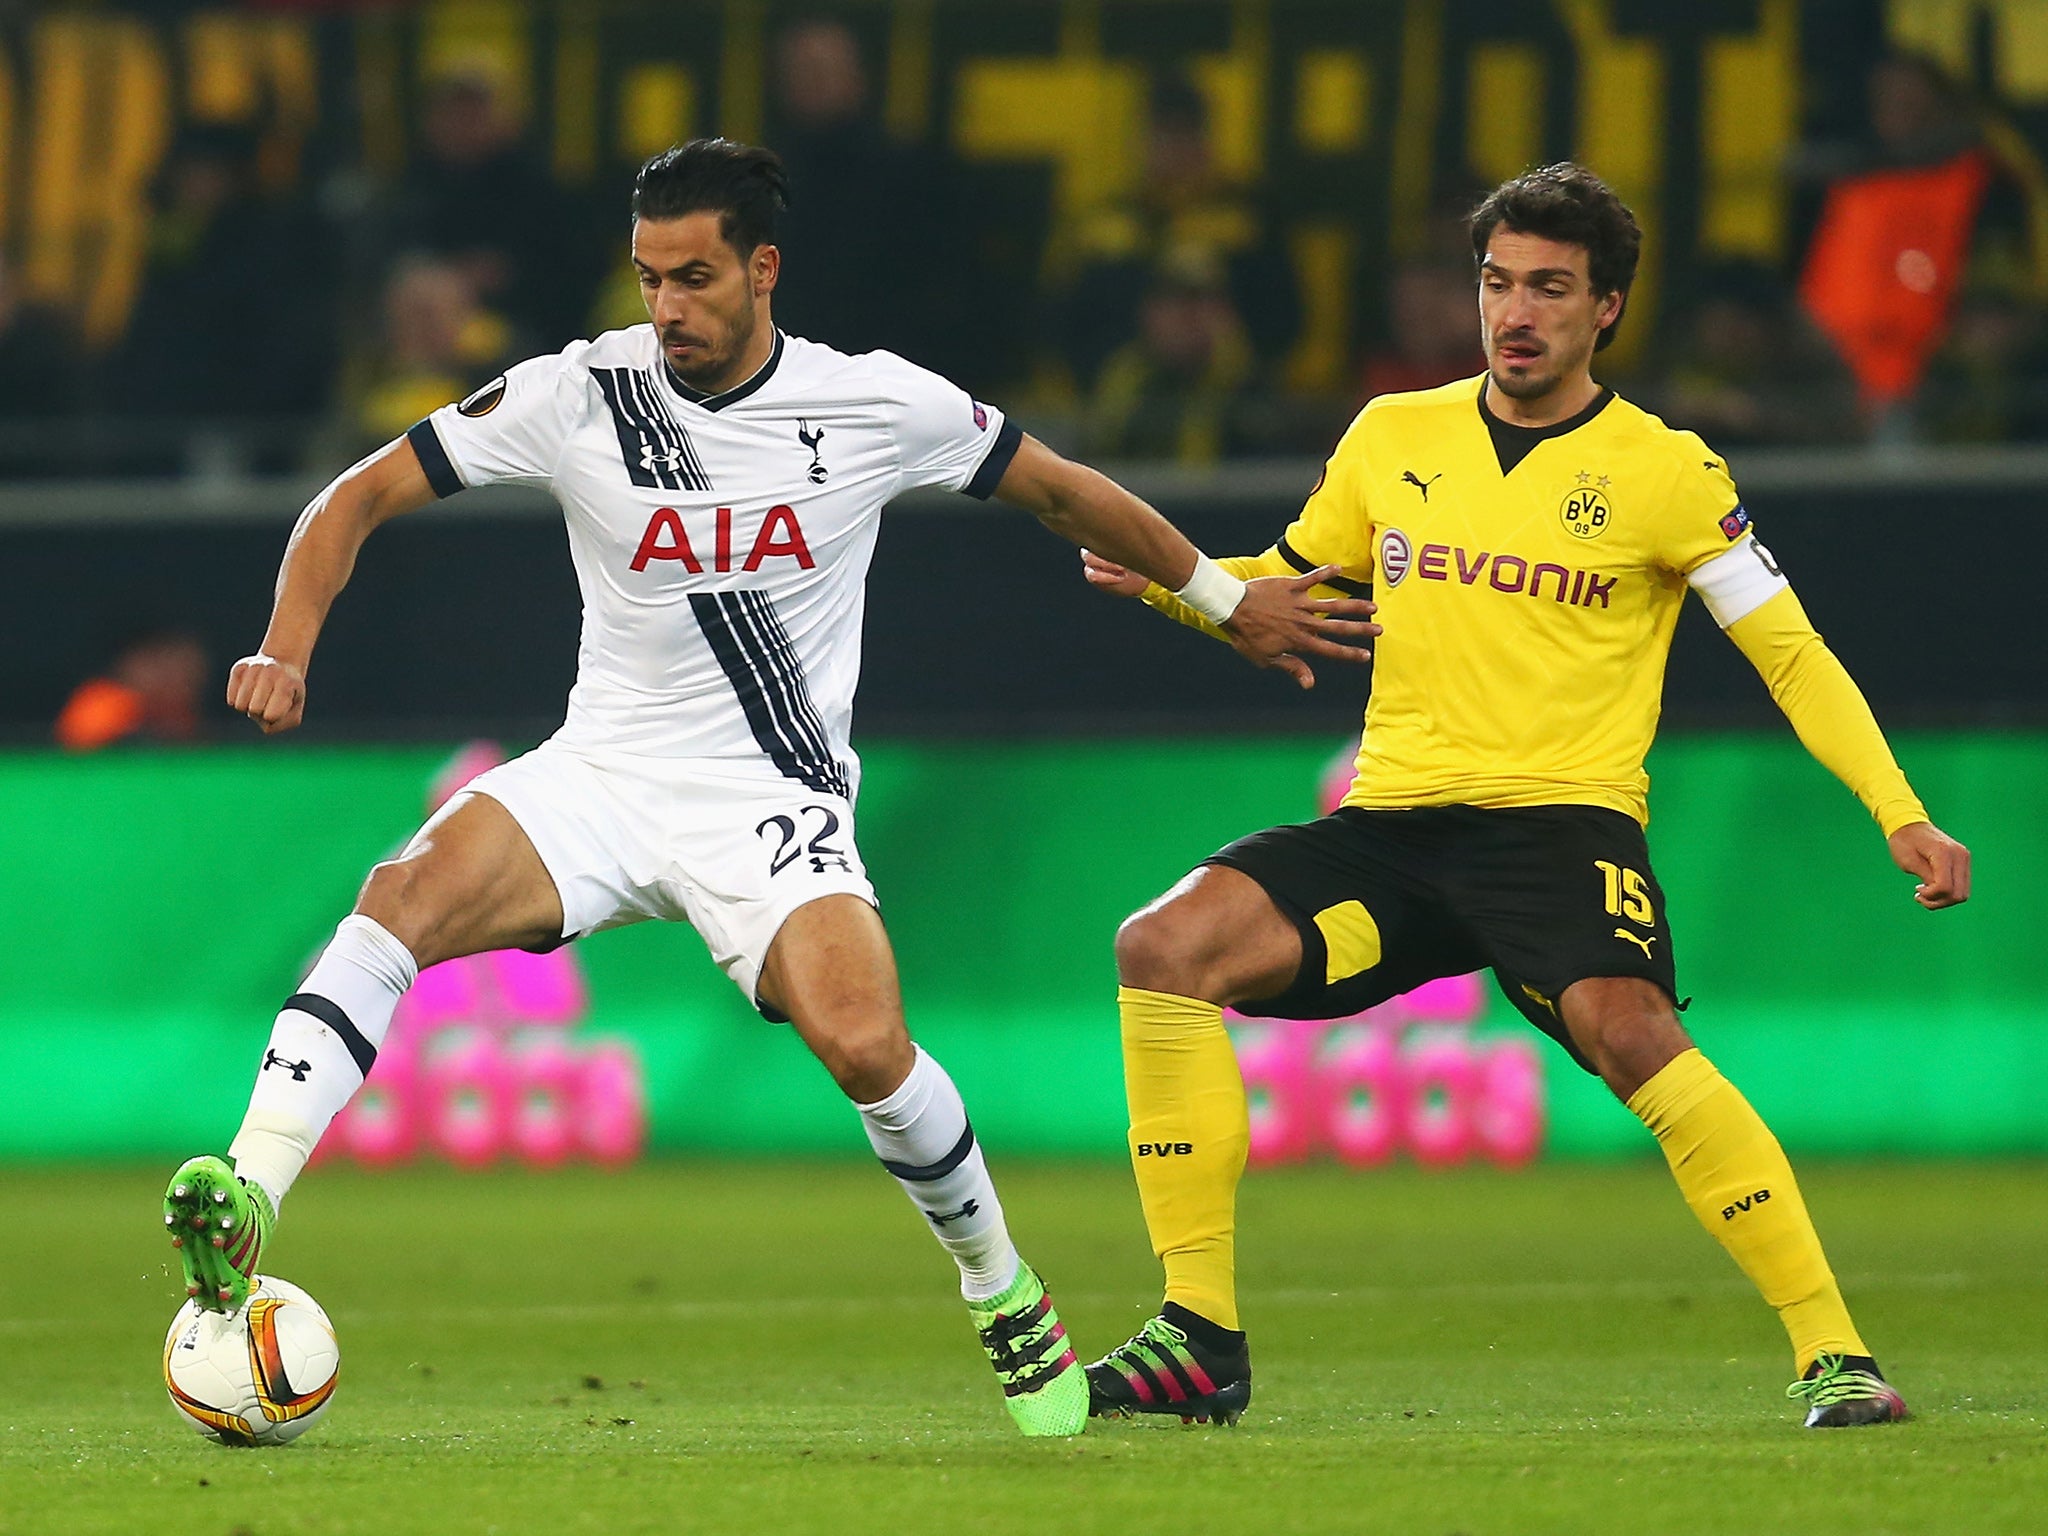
(219, 1224)
(1043, 1384)
(1846, 1390)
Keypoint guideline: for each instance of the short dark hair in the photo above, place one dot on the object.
(1569, 204)
(743, 184)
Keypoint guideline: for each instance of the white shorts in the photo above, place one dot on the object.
(729, 847)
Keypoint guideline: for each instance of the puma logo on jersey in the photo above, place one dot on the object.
(1421, 485)
(1729, 1212)
(1642, 944)
(1165, 1148)
(780, 535)
(810, 439)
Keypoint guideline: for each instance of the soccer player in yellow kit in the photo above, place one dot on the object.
(1528, 538)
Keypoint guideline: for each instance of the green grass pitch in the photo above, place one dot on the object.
(696, 1347)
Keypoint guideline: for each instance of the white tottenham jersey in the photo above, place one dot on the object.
(722, 542)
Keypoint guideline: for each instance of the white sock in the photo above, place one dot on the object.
(321, 1048)
(921, 1134)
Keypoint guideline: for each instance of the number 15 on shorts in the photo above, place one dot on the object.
(1627, 893)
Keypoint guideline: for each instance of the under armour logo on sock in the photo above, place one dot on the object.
(968, 1209)
(298, 1069)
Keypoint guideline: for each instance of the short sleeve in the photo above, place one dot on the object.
(945, 436)
(1707, 539)
(1335, 525)
(1703, 515)
(510, 431)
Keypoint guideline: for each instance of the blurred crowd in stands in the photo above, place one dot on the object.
(1159, 326)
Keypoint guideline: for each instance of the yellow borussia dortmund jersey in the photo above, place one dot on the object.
(1528, 613)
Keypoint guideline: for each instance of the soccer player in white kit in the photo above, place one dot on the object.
(723, 484)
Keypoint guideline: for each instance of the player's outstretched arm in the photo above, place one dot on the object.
(1271, 621)
(1833, 721)
(270, 686)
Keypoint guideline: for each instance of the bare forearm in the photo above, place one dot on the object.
(321, 553)
(318, 560)
(1088, 508)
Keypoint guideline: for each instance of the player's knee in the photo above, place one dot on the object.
(868, 1063)
(1626, 1028)
(1160, 952)
(394, 896)
(387, 889)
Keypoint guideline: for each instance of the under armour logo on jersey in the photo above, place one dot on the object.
(969, 1208)
(658, 453)
(1423, 486)
(298, 1069)
(810, 439)
(1642, 944)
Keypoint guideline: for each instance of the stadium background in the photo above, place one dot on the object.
(226, 272)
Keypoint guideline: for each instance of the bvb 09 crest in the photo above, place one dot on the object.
(1585, 512)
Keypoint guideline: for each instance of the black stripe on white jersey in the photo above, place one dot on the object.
(755, 653)
(653, 444)
(656, 410)
(757, 614)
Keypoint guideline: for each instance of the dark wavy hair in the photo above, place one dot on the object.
(743, 184)
(1569, 204)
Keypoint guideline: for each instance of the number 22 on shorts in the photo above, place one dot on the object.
(791, 845)
(1628, 893)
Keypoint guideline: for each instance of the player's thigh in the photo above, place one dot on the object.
(1216, 935)
(1364, 925)
(831, 972)
(470, 880)
(1560, 895)
(752, 852)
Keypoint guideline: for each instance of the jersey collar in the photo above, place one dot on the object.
(1512, 444)
(738, 392)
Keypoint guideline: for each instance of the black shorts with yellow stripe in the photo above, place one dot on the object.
(1385, 900)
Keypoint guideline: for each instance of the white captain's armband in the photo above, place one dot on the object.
(1740, 580)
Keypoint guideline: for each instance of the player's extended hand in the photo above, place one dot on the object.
(1107, 576)
(269, 691)
(1942, 863)
(1278, 624)
(1276, 620)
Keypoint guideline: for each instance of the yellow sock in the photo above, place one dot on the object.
(1734, 1175)
(1189, 1132)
